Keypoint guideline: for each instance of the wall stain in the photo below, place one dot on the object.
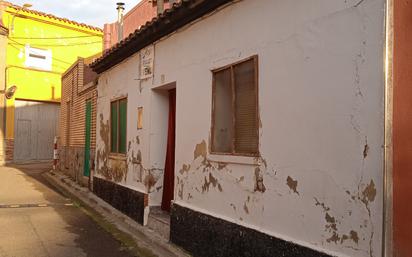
(368, 196)
(180, 187)
(259, 185)
(353, 235)
(233, 206)
(110, 169)
(365, 149)
(292, 184)
(185, 168)
(200, 150)
(212, 181)
(369, 193)
(324, 207)
(245, 208)
(363, 197)
(206, 166)
(221, 165)
(118, 170)
(331, 227)
(149, 177)
(149, 181)
(189, 196)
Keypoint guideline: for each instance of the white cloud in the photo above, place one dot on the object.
(91, 12)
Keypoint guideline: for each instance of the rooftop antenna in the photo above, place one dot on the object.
(120, 11)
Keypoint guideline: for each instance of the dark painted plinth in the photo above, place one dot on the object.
(126, 200)
(206, 236)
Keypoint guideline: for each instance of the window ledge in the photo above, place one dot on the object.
(236, 159)
(117, 156)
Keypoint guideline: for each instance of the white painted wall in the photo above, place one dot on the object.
(321, 103)
(148, 142)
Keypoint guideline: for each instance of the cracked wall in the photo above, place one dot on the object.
(318, 178)
(141, 168)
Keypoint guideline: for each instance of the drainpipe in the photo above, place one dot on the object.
(120, 11)
(387, 221)
(160, 6)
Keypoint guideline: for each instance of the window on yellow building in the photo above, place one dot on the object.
(38, 58)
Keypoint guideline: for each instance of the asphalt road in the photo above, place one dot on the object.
(37, 221)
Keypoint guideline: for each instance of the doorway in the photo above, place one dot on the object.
(169, 170)
(35, 127)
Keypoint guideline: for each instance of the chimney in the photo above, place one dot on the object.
(120, 10)
(160, 6)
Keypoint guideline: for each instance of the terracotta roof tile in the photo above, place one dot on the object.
(51, 16)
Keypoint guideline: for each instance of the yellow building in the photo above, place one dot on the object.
(3, 45)
(40, 48)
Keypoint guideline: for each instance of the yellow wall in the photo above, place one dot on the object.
(66, 41)
(3, 45)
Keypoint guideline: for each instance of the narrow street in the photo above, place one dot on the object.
(37, 221)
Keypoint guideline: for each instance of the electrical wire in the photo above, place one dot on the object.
(59, 45)
(53, 58)
(73, 37)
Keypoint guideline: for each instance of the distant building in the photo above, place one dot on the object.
(40, 48)
(139, 15)
(77, 131)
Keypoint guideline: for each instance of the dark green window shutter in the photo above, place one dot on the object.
(113, 127)
(122, 125)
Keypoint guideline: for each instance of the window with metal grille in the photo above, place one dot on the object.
(235, 109)
(118, 123)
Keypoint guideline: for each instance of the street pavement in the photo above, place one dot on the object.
(37, 221)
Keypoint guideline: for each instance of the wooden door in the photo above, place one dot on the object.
(169, 173)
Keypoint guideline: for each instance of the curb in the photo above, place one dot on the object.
(148, 242)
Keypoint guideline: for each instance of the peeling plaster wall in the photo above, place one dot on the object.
(318, 179)
(136, 170)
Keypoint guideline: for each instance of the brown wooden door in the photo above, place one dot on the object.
(169, 173)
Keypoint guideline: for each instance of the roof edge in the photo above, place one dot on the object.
(51, 16)
(179, 15)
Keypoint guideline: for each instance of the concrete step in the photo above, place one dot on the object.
(159, 221)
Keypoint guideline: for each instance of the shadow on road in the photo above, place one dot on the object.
(84, 236)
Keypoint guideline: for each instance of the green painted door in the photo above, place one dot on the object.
(86, 171)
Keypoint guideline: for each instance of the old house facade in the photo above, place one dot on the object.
(77, 122)
(263, 125)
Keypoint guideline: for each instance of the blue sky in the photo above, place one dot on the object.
(91, 12)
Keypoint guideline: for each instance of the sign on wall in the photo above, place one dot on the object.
(146, 62)
(38, 58)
